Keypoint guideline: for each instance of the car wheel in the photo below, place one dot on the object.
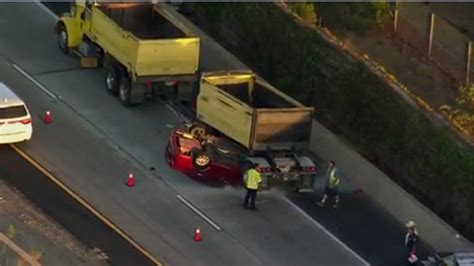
(198, 131)
(63, 39)
(112, 79)
(201, 160)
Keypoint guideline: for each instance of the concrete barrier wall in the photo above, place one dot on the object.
(361, 172)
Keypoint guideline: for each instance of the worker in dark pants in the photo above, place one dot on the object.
(332, 185)
(411, 239)
(252, 180)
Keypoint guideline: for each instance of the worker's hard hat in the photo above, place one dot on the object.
(410, 224)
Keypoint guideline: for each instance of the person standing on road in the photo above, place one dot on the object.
(411, 239)
(332, 185)
(252, 180)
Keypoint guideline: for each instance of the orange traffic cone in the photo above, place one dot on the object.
(48, 119)
(130, 181)
(197, 235)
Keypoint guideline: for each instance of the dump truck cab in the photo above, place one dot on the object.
(142, 45)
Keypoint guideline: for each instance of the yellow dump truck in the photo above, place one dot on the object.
(142, 46)
(273, 128)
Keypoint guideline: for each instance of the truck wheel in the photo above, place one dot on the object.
(125, 90)
(201, 160)
(198, 131)
(112, 79)
(63, 38)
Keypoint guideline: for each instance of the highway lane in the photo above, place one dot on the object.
(93, 141)
(70, 214)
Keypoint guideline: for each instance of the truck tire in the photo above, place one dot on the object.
(201, 160)
(63, 38)
(112, 80)
(125, 90)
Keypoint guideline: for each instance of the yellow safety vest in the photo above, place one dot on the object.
(333, 179)
(252, 179)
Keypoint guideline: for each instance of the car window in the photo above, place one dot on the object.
(12, 111)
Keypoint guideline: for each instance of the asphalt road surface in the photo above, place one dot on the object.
(57, 204)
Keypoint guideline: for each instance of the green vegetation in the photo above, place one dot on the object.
(305, 10)
(344, 17)
(352, 102)
(355, 17)
(462, 113)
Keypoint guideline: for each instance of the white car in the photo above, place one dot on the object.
(15, 119)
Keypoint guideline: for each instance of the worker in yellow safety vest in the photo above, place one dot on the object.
(252, 180)
(332, 185)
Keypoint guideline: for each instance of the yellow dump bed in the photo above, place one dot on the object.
(145, 39)
(252, 112)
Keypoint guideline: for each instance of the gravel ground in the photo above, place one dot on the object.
(37, 234)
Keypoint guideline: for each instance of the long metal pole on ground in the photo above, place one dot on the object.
(468, 62)
(430, 41)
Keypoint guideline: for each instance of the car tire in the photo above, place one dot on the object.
(112, 80)
(201, 160)
(198, 131)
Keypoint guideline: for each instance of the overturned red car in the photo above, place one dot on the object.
(186, 154)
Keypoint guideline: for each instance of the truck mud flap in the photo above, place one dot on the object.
(137, 93)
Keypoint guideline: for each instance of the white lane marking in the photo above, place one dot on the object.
(198, 212)
(42, 6)
(34, 81)
(180, 116)
(173, 110)
(326, 231)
